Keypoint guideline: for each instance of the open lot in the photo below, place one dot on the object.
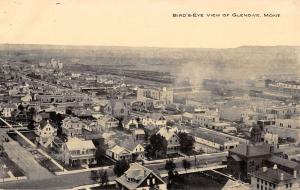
(8, 167)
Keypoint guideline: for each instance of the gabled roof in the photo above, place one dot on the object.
(130, 144)
(138, 172)
(44, 123)
(118, 149)
(167, 132)
(139, 132)
(79, 144)
(156, 116)
(106, 118)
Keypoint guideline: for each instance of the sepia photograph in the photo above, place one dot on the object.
(150, 94)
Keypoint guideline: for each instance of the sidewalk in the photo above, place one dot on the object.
(25, 160)
(33, 145)
(92, 185)
(83, 170)
(194, 170)
(13, 179)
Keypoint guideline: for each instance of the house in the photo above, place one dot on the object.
(156, 119)
(139, 135)
(27, 98)
(108, 121)
(115, 108)
(92, 126)
(82, 113)
(79, 152)
(173, 108)
(119, 153)
(131, 124)
(150, 130)
(209, 120)
(142, 105)
(37, 117)
(187, 118)
(173, 140)
(46, 133)
(274, 178)
(270, 138)
(120, 109)
(138, 177)
(72, 126)
(19, 116)
(8, 109)
(137, 150)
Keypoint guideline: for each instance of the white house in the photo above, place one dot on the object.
(138, 177)
(46, 133)
(8, 109)
(27, 98)
(108, 122)
(173, 140)
(79, 152)
(271, 139)
(156, 119)
(131, 124)
(118, 153)
(72, 126)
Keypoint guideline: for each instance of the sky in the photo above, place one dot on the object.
(149, 23)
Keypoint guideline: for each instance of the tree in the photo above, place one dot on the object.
(186, 142)
(94, 175)
(158, 145)
(120, 167)
(120, 124)
(186, 164)
(170, 166)
(21, 107)
(103, 177)
(99, 155)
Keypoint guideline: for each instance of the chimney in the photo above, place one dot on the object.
(275, 167)
(247, 149)
(265, 169)
(281, 176)
(295, 174)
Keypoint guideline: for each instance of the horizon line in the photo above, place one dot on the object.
(154, 47)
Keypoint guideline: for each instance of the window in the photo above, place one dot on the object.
(257, 186)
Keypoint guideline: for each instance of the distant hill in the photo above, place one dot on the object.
(229, 62)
